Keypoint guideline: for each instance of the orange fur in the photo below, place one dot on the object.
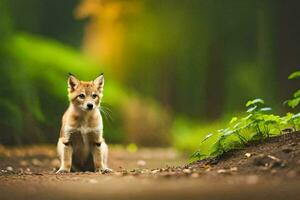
(81, 145)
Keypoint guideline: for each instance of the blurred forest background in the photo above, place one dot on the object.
(174, 69)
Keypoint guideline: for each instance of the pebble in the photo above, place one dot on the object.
(222, 171)
(248, 155)
(9, 168)
(234, 169)
(155, 171)
(187, 171)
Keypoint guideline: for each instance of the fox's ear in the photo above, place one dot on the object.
(73, 82)
(99, 81)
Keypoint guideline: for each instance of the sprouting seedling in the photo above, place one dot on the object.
(257, 119)
(295, 119)
(295, 101)
(255, 115)
(197, 155)
(236, 127)
(255, 102)
(207, 137)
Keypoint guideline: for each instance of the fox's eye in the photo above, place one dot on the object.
(94, 96)
(81, 96)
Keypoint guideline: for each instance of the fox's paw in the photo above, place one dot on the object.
(62, 171)
(105, 171)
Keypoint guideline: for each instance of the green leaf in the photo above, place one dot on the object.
(296, 116)
(286, 118)
(271, 119)
(297, 94)
(229, 132)
(197, 154)
(234, 119)
(247, 117)
(206, 137)
(255, 101)
(265, 109)
(237, 125)
(293, 103)
(294, 75)
(220, 130)
(251, 109)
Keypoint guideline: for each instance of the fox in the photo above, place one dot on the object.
(81, 146)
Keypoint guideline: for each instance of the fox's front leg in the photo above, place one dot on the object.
(100, 155)
(65, 151)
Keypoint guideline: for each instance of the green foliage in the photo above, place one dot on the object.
(294, 102)
(33, 87)
(256, 125)
(294, 75)
(33, 96)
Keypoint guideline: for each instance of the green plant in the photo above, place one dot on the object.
(294, 102)
(256, 125)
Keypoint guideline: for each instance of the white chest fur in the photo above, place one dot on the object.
(83, 129)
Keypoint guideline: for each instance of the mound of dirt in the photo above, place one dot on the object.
(277, 156)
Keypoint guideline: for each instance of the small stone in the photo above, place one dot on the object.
(155, 171)
(222, 171)
(233, 169)
(187, 171)
(248, 155)
(9, 168)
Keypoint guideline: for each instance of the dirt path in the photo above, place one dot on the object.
(268, 170)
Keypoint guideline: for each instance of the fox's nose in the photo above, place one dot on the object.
(90, 106)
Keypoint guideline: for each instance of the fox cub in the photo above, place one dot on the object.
(81, 146)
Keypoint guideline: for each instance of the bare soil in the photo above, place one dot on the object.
(263, 170)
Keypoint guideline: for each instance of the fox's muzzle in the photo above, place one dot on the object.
(89, 106)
